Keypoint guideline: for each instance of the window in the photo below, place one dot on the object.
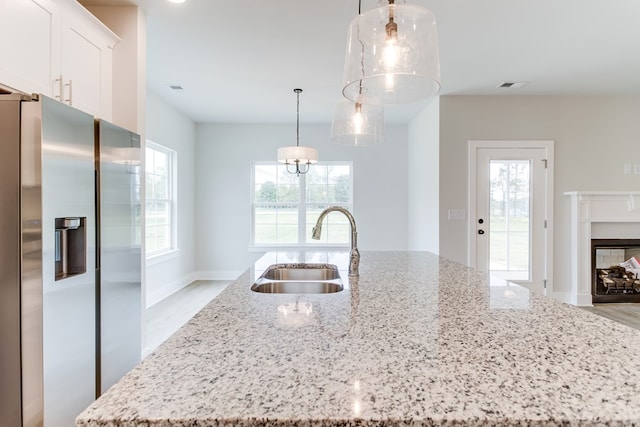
(160, 199)
(286, 206)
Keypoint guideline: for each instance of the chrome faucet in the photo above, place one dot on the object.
(354, 256)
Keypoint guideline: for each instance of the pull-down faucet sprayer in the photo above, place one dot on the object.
(354, 256)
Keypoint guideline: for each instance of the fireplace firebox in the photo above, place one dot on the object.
(615, 266)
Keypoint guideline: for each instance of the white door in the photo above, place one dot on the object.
(511, 197)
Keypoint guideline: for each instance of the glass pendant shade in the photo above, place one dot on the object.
(357, 124)
(392, 55)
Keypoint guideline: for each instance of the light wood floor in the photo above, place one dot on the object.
(167, 316)
(627, 314)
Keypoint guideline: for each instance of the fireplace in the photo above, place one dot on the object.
(615, 270)
(607, 215)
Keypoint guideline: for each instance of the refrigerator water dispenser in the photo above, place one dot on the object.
(70, 247)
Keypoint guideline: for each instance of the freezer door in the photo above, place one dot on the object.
(58, 182)
(120, 252)
(10, 410)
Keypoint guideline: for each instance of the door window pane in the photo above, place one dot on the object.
(509, 213)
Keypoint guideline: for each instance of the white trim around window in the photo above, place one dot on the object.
(160, 202)
(284, 207)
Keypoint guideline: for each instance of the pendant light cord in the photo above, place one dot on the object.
(362, 51)
(297, 91)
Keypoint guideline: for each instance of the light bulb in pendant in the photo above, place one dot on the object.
(390, 53)
(390, 60)
(357, 120)
(357, 123)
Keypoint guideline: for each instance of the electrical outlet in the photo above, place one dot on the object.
(457, 214)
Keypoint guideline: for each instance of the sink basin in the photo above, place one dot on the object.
(297, 288)
(299, 279)
(319, 272)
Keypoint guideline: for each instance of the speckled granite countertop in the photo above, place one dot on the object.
(419, 340)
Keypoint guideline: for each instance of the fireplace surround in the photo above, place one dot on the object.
(597, 215)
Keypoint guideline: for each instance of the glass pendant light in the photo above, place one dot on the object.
(296, 156)
(392, 55)
(357, 124)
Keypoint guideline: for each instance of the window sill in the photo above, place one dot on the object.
(163, 257)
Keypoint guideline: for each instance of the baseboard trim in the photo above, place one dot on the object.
(582, 300)
(168, 289)
(218, 275)
(174, 286)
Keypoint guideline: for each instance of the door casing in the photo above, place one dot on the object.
(547, 145)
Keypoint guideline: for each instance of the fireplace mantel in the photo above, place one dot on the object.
(591, 211)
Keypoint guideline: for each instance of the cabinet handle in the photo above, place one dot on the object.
(69, 100)
(60, 88)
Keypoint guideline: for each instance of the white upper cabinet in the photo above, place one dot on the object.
(86, 62)
(29, 32)
(57, 48)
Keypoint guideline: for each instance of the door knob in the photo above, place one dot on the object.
(481, 221)
(480, 231)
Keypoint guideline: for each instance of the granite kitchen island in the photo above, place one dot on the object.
(416, 340)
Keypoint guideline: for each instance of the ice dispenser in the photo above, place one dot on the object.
(70, 247)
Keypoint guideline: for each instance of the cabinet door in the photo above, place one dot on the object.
(29, 42)
(86, 67)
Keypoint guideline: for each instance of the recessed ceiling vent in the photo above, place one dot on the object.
(176, 87)
(512, 85)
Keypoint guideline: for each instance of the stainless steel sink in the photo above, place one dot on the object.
(299, 279)
(297, 288)
(320, 272)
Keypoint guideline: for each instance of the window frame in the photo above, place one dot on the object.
(172, 178)
(302, 204)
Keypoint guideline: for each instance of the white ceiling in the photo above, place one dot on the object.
(239, 60)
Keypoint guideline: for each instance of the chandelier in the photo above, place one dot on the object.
(298, 159)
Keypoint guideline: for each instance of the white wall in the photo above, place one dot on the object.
(423, 185)
(223, 163)
(168, 127)
(594, 138)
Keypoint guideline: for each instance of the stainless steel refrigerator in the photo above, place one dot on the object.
(56, 314)
(119, 252)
